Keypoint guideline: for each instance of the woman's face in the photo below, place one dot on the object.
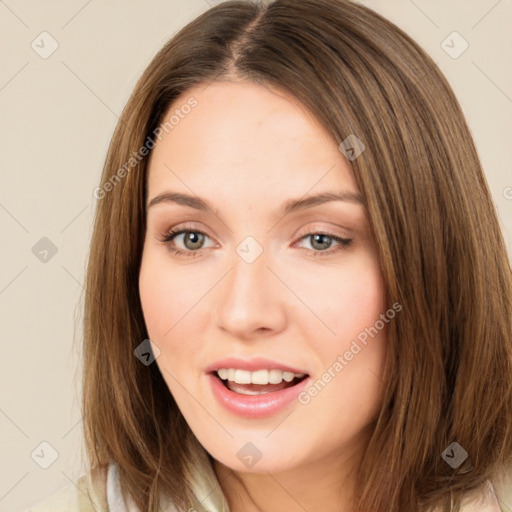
(264, 281)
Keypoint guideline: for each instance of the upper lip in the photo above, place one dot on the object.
(253, 364)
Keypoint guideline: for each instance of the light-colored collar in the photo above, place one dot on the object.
(115, 500)
(116, 503)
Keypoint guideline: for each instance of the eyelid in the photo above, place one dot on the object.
(316, 228)
(174, 232)
(187, 226)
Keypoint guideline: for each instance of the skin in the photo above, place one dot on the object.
(247, 149)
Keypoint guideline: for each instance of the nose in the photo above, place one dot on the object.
(251, 300)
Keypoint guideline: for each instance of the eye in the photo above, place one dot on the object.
(194, 240)
(321, 242)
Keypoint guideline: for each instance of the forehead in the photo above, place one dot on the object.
(244, 136)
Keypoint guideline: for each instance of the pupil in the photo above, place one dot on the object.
(190, 237)
(320, 237)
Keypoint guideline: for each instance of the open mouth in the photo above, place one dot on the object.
(261, 382)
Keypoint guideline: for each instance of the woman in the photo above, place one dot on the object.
(293, 211)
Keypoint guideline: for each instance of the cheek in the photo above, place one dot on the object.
(173, 310)
(358, 325)
(360, 302)
(153, 296)
(164, 298)
(346, 300)
(352, 345)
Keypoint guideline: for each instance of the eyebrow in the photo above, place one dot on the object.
(290, 206)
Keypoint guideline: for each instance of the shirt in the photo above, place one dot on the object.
(99, 491)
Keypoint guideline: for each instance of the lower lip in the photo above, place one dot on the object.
(255, 406)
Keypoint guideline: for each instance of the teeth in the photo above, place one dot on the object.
(258, 377)
(242, 377)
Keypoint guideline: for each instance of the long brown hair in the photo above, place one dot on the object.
(448, 369)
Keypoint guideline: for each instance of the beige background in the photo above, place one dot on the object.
(58, 115)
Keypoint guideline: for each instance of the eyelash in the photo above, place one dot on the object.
(172, 233)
